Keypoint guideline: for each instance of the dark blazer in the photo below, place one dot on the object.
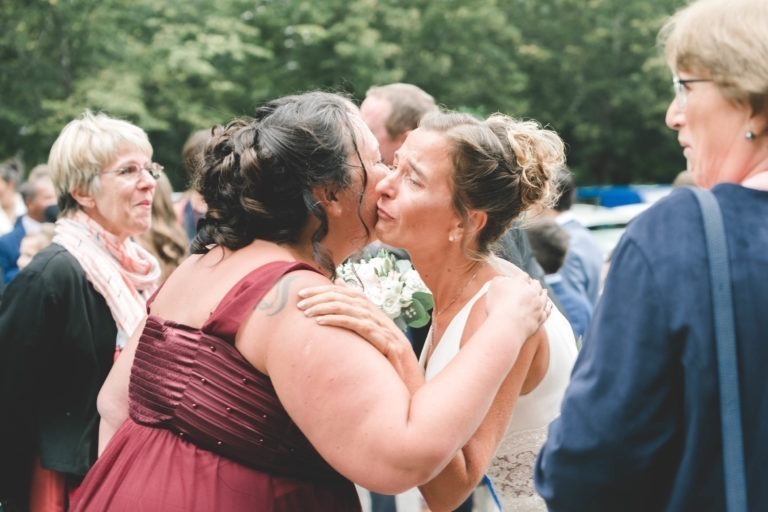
(639, 428)
(10, 244)
(57, 344)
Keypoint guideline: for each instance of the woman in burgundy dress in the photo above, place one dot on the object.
(232, 398)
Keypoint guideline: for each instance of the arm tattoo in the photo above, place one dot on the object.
(275, 302)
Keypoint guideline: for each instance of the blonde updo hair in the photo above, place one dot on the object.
(726, 39)
(502, 166)
(84, 147)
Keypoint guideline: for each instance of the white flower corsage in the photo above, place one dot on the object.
(392, 285)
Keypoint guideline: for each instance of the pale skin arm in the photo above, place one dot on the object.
(112, 402)
(456, 482)
(349, 309)
(354, 407)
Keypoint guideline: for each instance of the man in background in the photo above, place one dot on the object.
(583, 267)
(38, 194)
(549, 242)
(11, 204)
(191, 207)
(392, 111)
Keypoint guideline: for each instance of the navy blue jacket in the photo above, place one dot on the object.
(10, 245)
(640, 424)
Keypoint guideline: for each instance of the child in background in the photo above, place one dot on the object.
(549, 242)
(31, 244)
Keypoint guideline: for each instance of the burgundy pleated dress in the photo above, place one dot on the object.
(206, 430)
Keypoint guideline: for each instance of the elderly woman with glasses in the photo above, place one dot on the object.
(640, 423)
(65, 315)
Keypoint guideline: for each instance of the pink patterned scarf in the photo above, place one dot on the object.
(122, 272)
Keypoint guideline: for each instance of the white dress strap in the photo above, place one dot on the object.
(448, 346)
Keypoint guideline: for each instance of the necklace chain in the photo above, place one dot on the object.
(474, 275)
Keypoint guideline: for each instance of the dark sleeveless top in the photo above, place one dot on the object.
(199, 408)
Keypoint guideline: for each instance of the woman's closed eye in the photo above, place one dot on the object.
(412, 178)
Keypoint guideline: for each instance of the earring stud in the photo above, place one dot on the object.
(750, 135)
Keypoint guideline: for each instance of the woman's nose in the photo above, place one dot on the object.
(674, 117)
(146, 181)
(384, 186)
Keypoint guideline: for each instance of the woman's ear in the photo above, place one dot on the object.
(84, 199)
(470, 227)
(476, 220)
(327, 197)
(758, 124)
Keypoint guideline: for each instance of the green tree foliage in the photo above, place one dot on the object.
(589, 69)
(598, 79)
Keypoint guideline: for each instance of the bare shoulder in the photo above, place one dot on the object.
(276, 320)
(285, 292)
(506, 268)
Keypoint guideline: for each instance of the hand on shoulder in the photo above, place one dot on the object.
(520, 299)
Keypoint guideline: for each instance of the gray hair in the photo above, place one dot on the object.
(84, 147)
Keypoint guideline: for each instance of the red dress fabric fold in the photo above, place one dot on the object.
(206, 429)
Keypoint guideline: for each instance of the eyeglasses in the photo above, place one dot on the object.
(133, 172)
(681, 89)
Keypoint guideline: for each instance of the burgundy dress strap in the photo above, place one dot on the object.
(151, 298)
(240, 300)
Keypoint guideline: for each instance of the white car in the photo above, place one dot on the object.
(609, 223)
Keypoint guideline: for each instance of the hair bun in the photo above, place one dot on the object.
(537, 155)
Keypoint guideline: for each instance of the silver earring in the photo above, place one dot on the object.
(450, 238)
(750, 135)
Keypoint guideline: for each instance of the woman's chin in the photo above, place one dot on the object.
(384, 237)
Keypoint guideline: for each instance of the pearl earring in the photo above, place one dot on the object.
(750, 135)
(450, 238)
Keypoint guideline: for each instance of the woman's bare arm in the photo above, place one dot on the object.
(348, 308)
(112, 402)
(456, 482)
(354, 407)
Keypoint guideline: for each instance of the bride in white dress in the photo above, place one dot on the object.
(456, 186)
(511, 468)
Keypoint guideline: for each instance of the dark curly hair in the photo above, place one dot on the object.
(258, 173)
